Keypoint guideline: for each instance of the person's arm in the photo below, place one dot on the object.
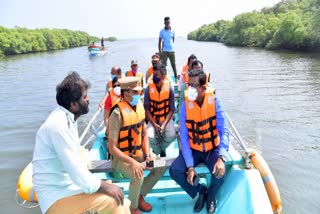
(173, 36)
(68, 152)
(171, 108)
(107, 107)
(146, 104)
(160, 42)
(222, 126)
(184, 138)
(145, 141)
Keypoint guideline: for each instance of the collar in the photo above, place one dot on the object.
(68, 113)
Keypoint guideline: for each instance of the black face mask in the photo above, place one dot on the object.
(156, 79)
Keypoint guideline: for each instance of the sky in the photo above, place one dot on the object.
(123, 18)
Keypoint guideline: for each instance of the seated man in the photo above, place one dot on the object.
(61, 179)
(129, 144)
(159, 106)
(115, 72)
(134, 72)
(204, 138)
(154, 60)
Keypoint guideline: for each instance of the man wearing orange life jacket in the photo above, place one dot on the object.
(204, 138)
(183, 77)
(112, 99)
(128, 144)
(134, 72)
(159, 106)
(196, 64)
(154, 60)
(115, 72)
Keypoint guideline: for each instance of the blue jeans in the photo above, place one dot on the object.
(178, 171)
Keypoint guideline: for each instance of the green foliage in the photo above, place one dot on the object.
(290, 24)
(111, 39)
(22, 40)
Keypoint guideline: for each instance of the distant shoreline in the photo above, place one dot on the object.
(283, 26)
(20, 40)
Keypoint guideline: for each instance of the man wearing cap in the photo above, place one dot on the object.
(128, 144)
(134, 72)
(159, 106)
(165, 45)
(155, 58)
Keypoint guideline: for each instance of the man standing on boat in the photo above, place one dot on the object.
(60, 176)
(159, 106)
(128, 144)
(204, 138)
(134, 72)
(165, 46)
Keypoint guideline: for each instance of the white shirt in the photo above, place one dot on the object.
(58, 170)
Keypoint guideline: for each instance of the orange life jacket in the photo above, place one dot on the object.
(130, 136)
(150, 71)
(159, 102)
(139, 74)
(110, 84)
(114, 98)
(201, 123)
(184, 73)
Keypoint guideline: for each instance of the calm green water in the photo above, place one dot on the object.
(272, 97)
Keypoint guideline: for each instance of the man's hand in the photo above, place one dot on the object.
(137, 169)
(191, 173)
(219, 169)
(113, 191)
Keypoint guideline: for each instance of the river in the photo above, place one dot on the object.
(273, 98)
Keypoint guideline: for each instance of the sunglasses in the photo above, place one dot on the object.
(194, 85)
(115, 85)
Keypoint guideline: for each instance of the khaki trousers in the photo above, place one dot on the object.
(96, 203)
(138, 186)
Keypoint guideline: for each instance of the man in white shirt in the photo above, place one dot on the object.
(61, 179)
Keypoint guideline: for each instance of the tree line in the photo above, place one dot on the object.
(20, 40)
(290, 24)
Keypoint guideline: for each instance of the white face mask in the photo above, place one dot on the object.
(192, 93)
(117, 90)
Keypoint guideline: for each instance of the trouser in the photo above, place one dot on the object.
(164, 58)
(178, 173)
(138, 186)
(168, 136)
(89, 203)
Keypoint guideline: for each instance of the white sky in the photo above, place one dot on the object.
(123, 18)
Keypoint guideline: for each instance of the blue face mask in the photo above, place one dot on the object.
(156, 79)
(113, 76)
(135, 100)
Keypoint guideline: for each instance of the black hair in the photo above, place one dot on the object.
(119, 70)
(191, 57)
(196, 62)
(114, 80)
(167, 18)
(198, 73)
(160, 67)
(70, 89)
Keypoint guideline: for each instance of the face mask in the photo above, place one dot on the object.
(135, 100)
(192, 94)
(156, 79)
(113, 76)
(134, 71)
(117, 90)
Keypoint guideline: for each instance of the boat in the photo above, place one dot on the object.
(249, 186)
(95, 50)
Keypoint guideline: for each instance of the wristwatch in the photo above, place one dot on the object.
(223, 158)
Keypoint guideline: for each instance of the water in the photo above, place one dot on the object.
(272, 97)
